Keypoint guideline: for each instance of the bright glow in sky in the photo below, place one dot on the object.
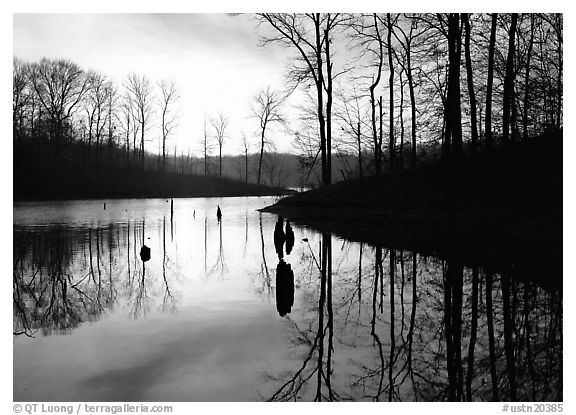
(214, 59)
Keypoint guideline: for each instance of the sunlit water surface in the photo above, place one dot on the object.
(201, 320)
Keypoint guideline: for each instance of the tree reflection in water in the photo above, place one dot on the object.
(373, 324)
(168, 301)
(432, 330)
(64, 277)
(219, 267)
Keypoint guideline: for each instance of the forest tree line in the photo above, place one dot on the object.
(381, 92)
(386, 87)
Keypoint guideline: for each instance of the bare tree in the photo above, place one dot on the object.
(111, 101)
(169, 97)
(127, 125)
(366, 35)
(555, 20)
(410, 39)
(509, 80)
(91, 103)
(140, 91)
(98, 95)
(527, 79)
(307, 141)
(310, 35)
(266, 109)
(470, 81)
(352, 117)
(60, 86)
(450, 26)
(491, 48)
(99, 107)
(219, 123)
(245, 146)
(391, 144)
(206, 147)
(20, 95)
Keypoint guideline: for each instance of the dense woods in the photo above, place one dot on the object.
(509, 79)
(377, 93)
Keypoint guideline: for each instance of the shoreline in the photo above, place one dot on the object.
(526, 245)
(500, 209)
(148, 196)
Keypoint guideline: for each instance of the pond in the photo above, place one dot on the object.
(221, 313)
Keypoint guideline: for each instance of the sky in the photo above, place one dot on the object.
(215, 60)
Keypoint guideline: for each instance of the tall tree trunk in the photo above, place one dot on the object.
(514, 112)
(89, 136)
(559, 80)
(381, 118)
(469, 78)
(377, 143)
(320, 96)
(328, 109)
(377, 164)
(412, 103)
(261, 152)
(453, 133)
(358, 139)
(58, 137)
(391, 88)
(142, 138)
(401, 152)
(97, 150)
(128, 143)
(488, 125)
(134, 148)
(220, 158)
(163, 147)
(509, 80)
(205, 151)
(527, 80)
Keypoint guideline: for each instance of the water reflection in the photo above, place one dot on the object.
(284, 288)
(430, 330)
(264, 287)
(219, 267)
(47, 295)
(360, 322)
(289, 238)
(279, 237)
(65, 277)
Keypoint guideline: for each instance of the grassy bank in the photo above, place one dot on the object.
(499, 209)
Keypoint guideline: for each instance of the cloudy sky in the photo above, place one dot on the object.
(214, 59)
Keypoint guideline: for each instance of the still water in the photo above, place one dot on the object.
(215, 315)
